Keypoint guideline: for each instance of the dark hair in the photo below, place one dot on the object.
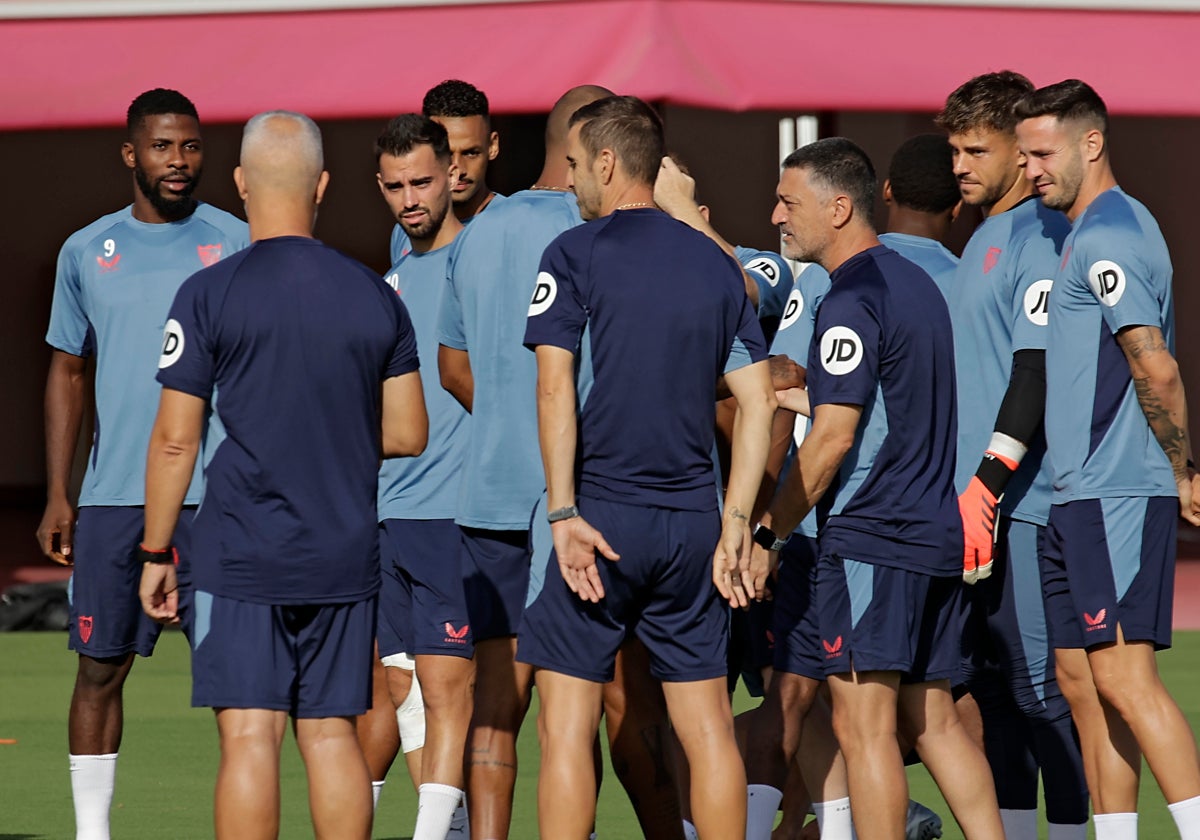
(1070, 101)
(985, 101)
(922, 174)
(407, 131)
(155, 102)
(839, 164)
(455, 98)
(629, 127)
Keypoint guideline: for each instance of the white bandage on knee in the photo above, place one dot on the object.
(399, 660)
(410, 716)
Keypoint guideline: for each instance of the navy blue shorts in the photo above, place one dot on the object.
(422, 603)
(495, 572)
(106, 615)
(661, 589)
(878, 618)
(312, 661)
(798, 647)
(751, 644)
(1119, 560)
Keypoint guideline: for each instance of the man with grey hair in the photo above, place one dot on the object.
(308, 350)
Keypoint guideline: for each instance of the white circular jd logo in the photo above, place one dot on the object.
(1037, 302)
(792, 309)
(841, 350)
(544, 293)
(172, 347)
(764, 267)
(1107, 280)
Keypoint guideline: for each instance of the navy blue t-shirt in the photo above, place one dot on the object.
(655, 313)
(883, 342)
(291, 340)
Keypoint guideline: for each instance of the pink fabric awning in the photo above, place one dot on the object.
(726, 54)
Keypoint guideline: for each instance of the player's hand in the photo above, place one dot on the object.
(785, 373)
(674, 190)
(763, 564)
(977, 506)
(58, 521)
(731, 562)
(159, 592)
(1189, 497)
(576, 543)
(795, 399)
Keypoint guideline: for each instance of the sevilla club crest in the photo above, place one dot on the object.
(85, 628)
(209, 254)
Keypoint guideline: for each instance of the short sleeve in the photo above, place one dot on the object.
(557, 314)
(748, 345)
(404, 354)
(1036, 264)
(843, 361)
(450, 314)
(1120, 280)
(774, 279)
(69, 325)
(188, 361)
(798, 323)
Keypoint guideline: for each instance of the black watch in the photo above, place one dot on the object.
(766, 538)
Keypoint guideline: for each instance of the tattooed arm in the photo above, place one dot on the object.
(1159, 389)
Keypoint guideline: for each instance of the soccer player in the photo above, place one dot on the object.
(634, 285)
(1117, 438)
(114, 285)
(922, 198)
(998, 309)
(493, 267)
(462, 109)
(308, 350)
(879, 459)
(423, 609)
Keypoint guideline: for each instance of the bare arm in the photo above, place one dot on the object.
(170, 460)
(751, 386)
(405, 423)
(64, 418)
(674, 192)
(816, 463)
(575, 540)
(1159, 389)
(454, 370)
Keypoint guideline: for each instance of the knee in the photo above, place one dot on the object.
(796, 694)
(1074, 678)
(102, 676)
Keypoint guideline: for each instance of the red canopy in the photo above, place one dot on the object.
(726, 54)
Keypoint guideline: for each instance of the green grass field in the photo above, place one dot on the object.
(169, 756)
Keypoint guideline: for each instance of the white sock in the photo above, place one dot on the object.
(762, 804)
(460, 826)
(376, 789)
(1019, 825)
(833, 819)
(92, 780)
(689, 831)
(1067, 831)
(1115, 826)
(435, 808)
(1186, 814)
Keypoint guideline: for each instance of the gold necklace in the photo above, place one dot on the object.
(551, 189)
(634, 204)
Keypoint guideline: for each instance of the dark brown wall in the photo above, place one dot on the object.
(59, 181)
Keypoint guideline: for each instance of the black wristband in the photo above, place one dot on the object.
(161, 557)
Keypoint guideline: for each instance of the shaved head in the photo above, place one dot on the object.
(282, 154)
(568, 104)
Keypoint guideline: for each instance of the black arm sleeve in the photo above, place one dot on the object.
(1024, 403)
(1020, 415)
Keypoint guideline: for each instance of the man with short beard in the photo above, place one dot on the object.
(422, 607)
(1117, 439)
(998, 306)
(115, 282)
